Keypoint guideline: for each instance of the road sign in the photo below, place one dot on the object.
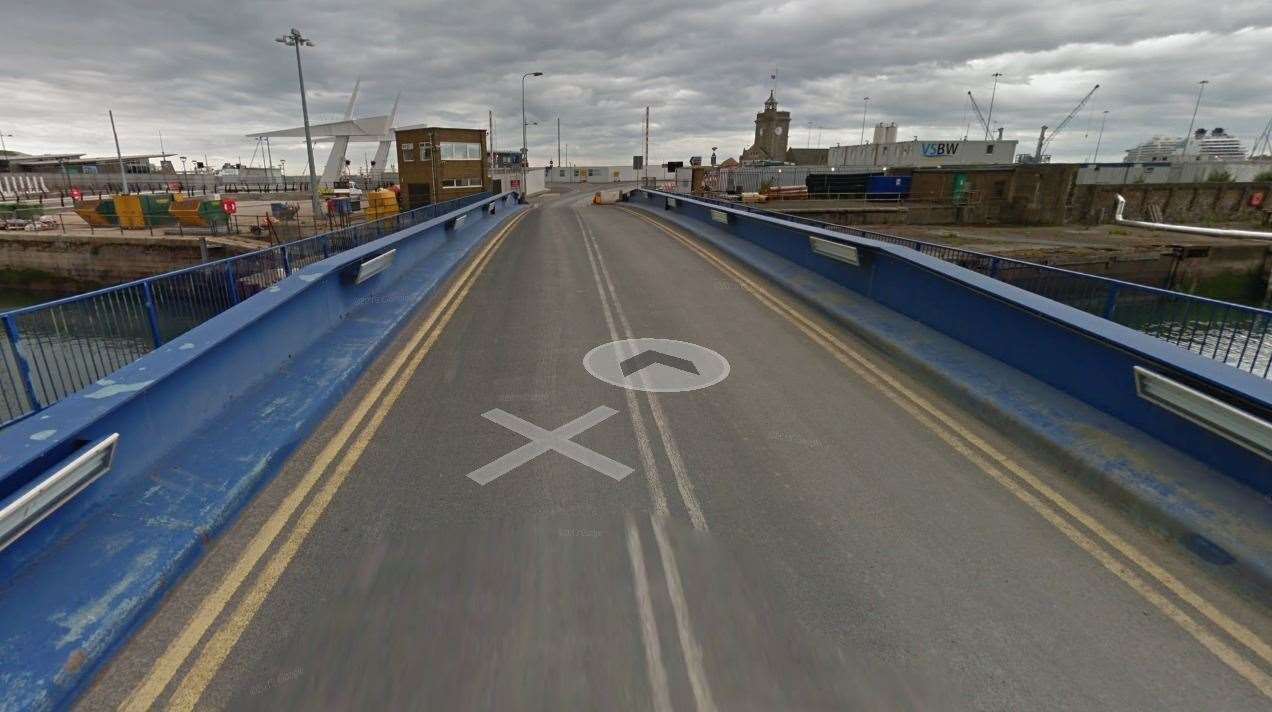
(658, 365)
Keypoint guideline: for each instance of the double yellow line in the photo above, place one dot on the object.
(1022, 483)
(380, 398)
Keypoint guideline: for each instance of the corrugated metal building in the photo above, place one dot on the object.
(749, 179)
(920, 153)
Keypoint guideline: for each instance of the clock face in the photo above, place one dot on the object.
(779, 130)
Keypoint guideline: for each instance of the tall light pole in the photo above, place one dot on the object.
(185, 186)
(865, 108)
(5, 150)
(1100, 137)
(525, 153)
(123, 174)
(993, 94)
(294, 39)
(269, 174)
(1193, 120)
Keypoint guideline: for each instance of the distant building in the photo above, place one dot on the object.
(505, 159)
(606, 174)
(437, 164)
(772, 128)
(887, 152)
(808, 156)
(248, 173)
(1215, 145)
(17, 162)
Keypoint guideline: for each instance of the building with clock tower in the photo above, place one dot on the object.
(771, 132)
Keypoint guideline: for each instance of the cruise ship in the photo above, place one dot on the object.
(1213, 145)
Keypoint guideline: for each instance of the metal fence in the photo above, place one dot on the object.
(1235, 334)
(264, 226)
(49, 351)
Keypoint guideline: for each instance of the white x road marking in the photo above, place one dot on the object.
(542, 441)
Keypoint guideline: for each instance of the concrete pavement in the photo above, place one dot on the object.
(796, 536)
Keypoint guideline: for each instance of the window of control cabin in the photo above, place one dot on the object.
(454, 151)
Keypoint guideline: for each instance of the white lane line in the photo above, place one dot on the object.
(643, 444)
(683, 483)
(679, 606)
(648, 624)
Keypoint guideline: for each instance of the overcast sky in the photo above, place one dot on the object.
(207, 73)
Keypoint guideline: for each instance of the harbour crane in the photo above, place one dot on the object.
(1045, 139)
(979, 116)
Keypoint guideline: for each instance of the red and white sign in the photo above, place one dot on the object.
(229, 205)
(516, 183)
(76, 194)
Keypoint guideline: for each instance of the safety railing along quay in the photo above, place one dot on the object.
(1234, 334)
(49, 351)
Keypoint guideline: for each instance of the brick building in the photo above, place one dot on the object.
(437, 164)
(772, 129)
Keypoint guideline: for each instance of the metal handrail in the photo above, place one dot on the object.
(53, 349)
(1235, 334)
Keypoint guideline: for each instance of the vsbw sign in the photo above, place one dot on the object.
(942, 148)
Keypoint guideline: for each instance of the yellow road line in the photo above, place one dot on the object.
(920, 407)
(167, 665)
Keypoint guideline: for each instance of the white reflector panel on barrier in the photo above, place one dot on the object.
(374, 266)
(835, 250)
(55, 490)
(1227, 421)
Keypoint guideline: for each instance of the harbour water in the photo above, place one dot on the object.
(14, 298)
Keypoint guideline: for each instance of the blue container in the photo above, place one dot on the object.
(888, 186)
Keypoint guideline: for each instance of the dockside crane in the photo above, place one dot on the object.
(979, 116)
(1045, 139)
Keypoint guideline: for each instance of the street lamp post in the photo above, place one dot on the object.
(185, 178)
(66, 176)
(525, 154)
(294, 39)
(865, 108)
(5, 150)
(1193, 120)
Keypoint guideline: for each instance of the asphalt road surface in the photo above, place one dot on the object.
(813, 531)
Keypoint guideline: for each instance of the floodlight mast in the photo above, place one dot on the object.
(295, 39)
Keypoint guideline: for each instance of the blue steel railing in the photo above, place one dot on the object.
(49, 351)
(1235, 334)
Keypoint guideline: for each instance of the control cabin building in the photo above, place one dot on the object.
(437, 164)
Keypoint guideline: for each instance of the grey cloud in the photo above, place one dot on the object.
(206, 73)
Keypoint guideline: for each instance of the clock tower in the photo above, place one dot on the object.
(771, 129)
